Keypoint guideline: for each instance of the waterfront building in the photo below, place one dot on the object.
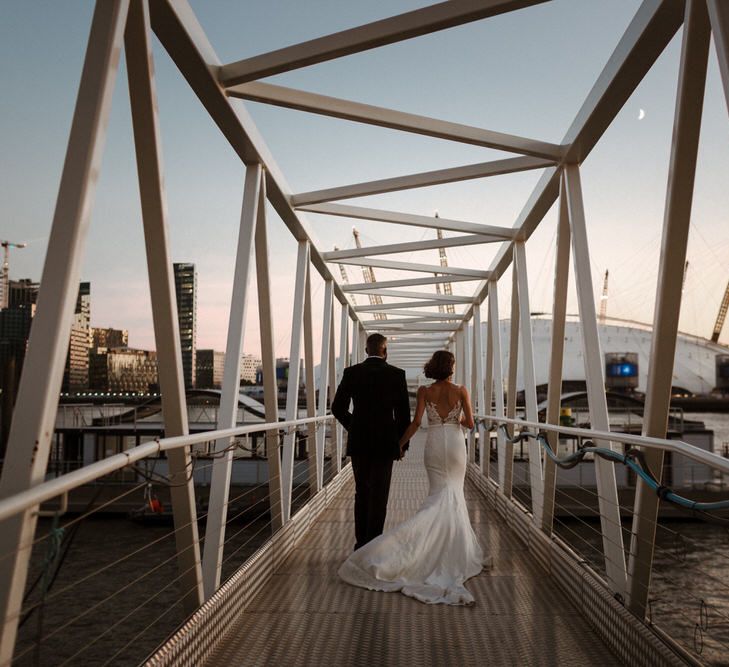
(249, 365)
(282, 373)
(123, 369)
(209, 369)
(186, 292)
(108, 338)
(76, 374)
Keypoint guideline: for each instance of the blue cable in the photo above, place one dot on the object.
(662, 491)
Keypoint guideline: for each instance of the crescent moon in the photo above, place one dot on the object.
(641, 114)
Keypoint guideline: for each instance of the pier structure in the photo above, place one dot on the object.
(284, 604)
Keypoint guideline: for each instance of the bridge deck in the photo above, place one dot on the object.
(307, 616)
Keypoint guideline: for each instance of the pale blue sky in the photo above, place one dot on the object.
(525, 73)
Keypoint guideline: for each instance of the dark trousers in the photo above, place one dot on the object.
(372, 487)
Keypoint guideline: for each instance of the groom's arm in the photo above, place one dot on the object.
(402, 408)
(340, 404)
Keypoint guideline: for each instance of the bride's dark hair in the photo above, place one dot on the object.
(440, 366)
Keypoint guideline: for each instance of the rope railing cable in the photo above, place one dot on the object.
(633, 459)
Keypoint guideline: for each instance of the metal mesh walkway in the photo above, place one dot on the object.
(307, 616)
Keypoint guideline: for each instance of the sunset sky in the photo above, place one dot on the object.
(525, 73)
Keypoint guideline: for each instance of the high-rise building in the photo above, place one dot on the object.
(76, 374)
(101, 337)
(15, 324)
(123, 370)
(249, 365)
(209, 365)
(186, 292)
(22, 292)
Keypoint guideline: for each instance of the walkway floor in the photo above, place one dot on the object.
(307, 616)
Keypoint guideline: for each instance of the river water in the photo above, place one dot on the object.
(118, 616)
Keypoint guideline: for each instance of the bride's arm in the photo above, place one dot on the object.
(415, 424)
(467, 418)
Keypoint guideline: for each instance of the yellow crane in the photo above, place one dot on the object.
(447, 288)
(721, 316)
(6, 270)
(369, 277)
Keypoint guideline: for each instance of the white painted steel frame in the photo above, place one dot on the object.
(300, 100)
(414, 266)
(504, 449)
(324, 361)
(268, 361)
(147, 142)
(292, 390)
(371, 35)
(29, 440)
(405, 282)
(312, 453)
(719, 18)
(420, 180)
(556, 356)
(676, 222)
(607, 489)
(229, 395)
(536, 482)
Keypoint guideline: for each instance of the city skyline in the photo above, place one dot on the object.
(624, 195)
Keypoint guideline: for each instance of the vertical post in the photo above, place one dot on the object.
(343, 349)
(323, 380)
(513, 369)
(468, 382)
(477, 393)
(530, 384)
(676, 222)
(229, 395)
(460, 356)
(292, 392)
(504, 449)
(143, 98)
(333, 431)
(612, 536)
(719, 17)
(556, 358)
(29, 441)
(268, 359)
(311, 449)
(487, 408)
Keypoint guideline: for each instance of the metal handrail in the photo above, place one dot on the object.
(677, 446)
(55, 487)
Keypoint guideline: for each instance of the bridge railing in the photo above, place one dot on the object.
(686, 594)
(142, 596)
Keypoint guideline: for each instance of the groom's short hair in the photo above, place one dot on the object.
(375, 344)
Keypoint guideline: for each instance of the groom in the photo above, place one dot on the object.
(380, 416)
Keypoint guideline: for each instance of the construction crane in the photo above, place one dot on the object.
(6, 270)
(721, 317)
(369, 277)
(447, 288)
(343, 271)
(604, 298)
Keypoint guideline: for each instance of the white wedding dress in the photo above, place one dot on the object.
(430, 555)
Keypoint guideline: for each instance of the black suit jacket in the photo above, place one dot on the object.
(381, 412)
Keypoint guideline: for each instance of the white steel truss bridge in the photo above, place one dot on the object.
(614, 604)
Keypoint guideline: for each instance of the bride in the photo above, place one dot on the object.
(430, 555)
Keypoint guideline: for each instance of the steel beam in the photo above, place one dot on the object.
(406, 282)
(390, 30)
(412, 266)
(421, 180)
(148, 148)
(394, 306)
(676, 223)
(444, 298)
(410, 246)
(341, 364)
(477, 386)
(612, 536)
(292, 390)
(312, 453)
(268, 361)
(324, 379)
(408, 219)
(33, 421)
(719, 18)
(229, 396)
(556, 357)
(507, 484)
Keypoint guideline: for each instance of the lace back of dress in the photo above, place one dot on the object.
(453, 417)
